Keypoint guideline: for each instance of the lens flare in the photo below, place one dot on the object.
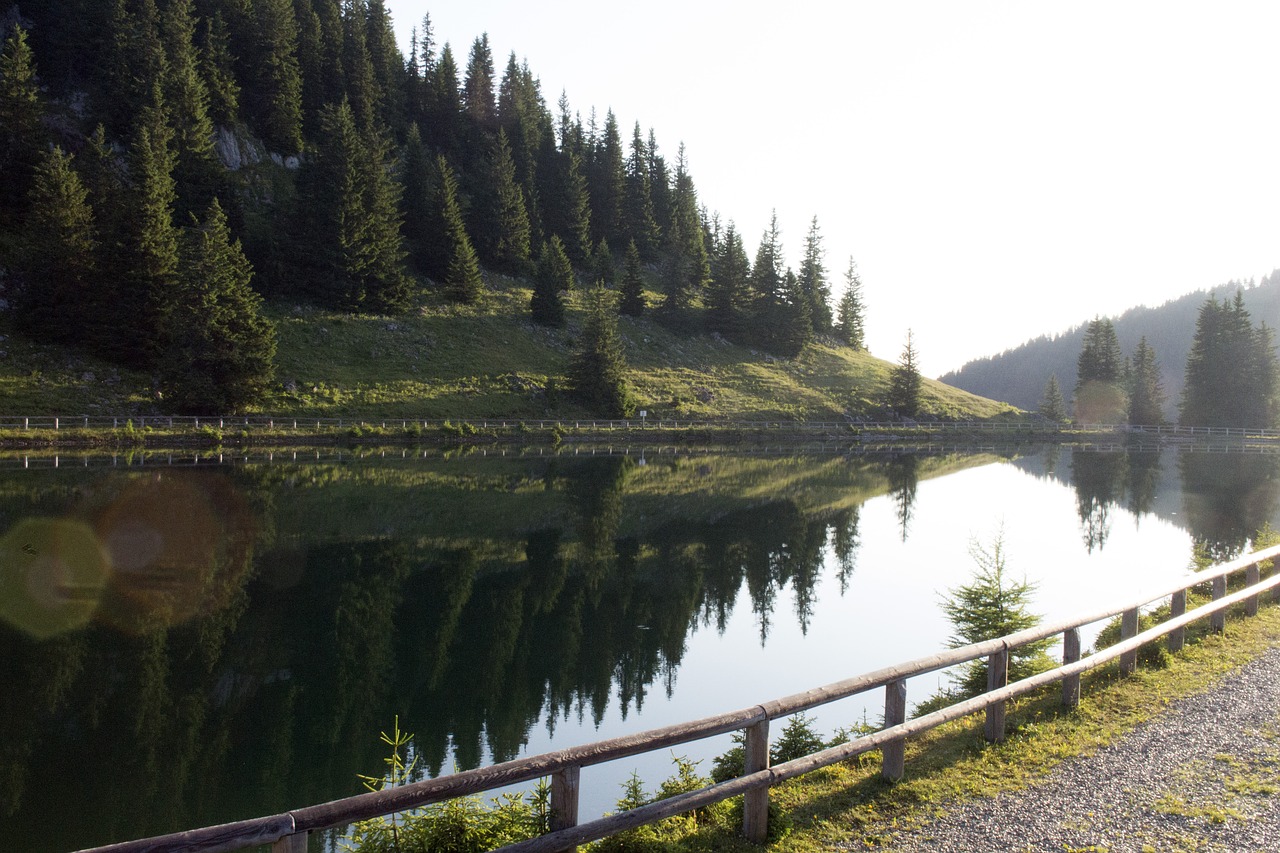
(52, 575)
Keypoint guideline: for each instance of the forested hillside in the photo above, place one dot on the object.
(1019, 376)
(177, 172)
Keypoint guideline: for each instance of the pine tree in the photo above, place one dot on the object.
(1146, 392)
(686, 238)
(56, 299)
(1099, 391)
(1052, 406)
(727, 293)
(479, 86)
(361, 88)
(905, 384)
(151, 237)
(992, 605)
(1231, 369)
(597, 374)
(462, 281)
(422, 226)
(638, 214)
(813, 280)
(851, 316)
(351, 219)
(21, 112)
(452, 257)
(632, 301)
(133, 60)
(444, 127)
(794, 327)
(197, 171)
(389, 69)
(606, 181)
(217, 348)
(566, 203)
(275, 101)
(217, 66)
(502, 222)
(603, 270)
(554, 275)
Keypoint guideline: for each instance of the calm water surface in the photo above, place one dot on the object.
(245, 631)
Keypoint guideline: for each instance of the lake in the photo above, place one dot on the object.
(189, 641)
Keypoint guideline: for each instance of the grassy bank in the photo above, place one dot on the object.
(442, 360)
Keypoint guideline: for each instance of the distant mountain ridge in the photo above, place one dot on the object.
(1018, 376)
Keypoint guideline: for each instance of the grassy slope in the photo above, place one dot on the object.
(443, 360)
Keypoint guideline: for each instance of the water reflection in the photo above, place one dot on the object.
(260, 624)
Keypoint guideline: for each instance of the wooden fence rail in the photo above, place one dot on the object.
(278, 422)
(288, 832)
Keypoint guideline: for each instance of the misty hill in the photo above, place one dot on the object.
(1018, 376)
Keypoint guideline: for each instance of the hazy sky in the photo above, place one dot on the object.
(998, 170)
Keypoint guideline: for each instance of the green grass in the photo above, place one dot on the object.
(442, 360)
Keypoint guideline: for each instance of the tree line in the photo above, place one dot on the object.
(1232, 376)
(128, 230)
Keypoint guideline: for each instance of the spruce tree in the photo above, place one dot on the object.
(479, 86)
(217, 348)
(197, 171)
(727, 291)
(794, 329)
(1231, 369)
(1052, 406)
(21, 134)
(554, 275)
(361, 86)
(607, 181)
(351, 221)
(905, 384)
(152, 239)
(461, 280)
(1099, 391)
(603, 270)
(444, 127)
(275, 99)
(813, 280)
(1146, 391)
(632, 301)
(56, 299)
(993, 605)
(502, 226)
(686, 237)
(850, 325)
(217, 66)
(597, 374)
(639, 220)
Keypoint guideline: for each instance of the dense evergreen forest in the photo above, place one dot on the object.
(1019, 376)
(171, 164)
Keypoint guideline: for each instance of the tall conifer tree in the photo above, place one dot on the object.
(1146, 391)
(56, 298)
(553, 276)
(632, 302)
(21, 136)
(813, 280)
(851, 315)
(217, 347)
(597, 374)
(461, 280)
(727, 292)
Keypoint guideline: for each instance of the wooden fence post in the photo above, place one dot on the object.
(296, 843)
(894, 753)
(1219, 620)
(755, 803)
(565, 787)
(1071, 654)
(997, 677)
(1177, 607)
(1252, 575)
(1129, 628)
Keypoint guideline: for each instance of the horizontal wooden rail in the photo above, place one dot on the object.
(292, 422)
(292, 828)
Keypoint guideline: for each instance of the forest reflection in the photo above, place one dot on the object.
(289, 611)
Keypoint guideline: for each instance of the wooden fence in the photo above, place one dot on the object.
(288, 832)
(243, 422)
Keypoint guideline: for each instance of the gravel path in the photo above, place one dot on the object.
(1203, 775)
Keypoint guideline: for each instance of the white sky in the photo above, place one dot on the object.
(998, 170)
